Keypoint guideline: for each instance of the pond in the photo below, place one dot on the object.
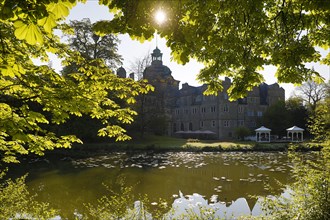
(226, 179)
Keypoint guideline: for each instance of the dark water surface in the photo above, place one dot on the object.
(224, 179)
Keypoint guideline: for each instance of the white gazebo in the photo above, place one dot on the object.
(295, 133)
(263, 134)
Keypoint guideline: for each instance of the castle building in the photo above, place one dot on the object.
(188, 111)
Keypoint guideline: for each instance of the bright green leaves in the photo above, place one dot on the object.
(29, 32)
(326, 60)
(238, 88)
(29, 25)
(48, 23)
(10, 67)
(180, 56)
(114, 131)
(60, 9)
(16, 198)
(235, 38)
(34, 98)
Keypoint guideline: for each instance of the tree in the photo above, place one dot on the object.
(277, 118)
(309, 194)
(319, 123)
(283, 115)
(33, 96)
(297, 112)
(81, 38)
(312, 93)
(233, 38)
(91, 46)
(242, 132)
(139, 65)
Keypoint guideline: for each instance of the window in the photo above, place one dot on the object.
(203, 110)
(250, 113)
(240, 123)
(225, 108)
(185, 100)
(259, 113)
(252, 99)
(240, 109)
(213, 123)
(212, 108)
(194, 110)
(174, 127)
(201, 124)
(190, 126)
(226, 123)
(177, 111)
(225, 96)
(182, 126)
(198, 98)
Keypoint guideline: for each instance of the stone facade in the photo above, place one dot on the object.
(194, 111)
(188, 111)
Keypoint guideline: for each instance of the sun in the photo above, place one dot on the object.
(160, 16)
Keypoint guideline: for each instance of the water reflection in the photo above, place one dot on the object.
(183, 206)
(227, 178)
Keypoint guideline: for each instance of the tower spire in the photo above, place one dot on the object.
(156, 40)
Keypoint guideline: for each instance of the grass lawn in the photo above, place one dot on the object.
(164, 143)
(153, 142)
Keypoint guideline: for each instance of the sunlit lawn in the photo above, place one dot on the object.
(164, 143)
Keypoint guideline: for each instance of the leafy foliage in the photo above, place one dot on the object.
(91, 46)
(283, 115)
(276, 117)
(34, 96)
(233, 38)
(119, 206)
(297, 111)
(309, 194)
(242, 132)
(312, 93)
(17, 203)
(319, 122)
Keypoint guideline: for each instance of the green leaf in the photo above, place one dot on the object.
(21, 30)
(48, 23)
(131, 100)
(29, 32)
(59, 9)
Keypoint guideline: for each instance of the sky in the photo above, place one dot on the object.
(132, 50)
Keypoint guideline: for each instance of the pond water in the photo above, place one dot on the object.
(225, 179)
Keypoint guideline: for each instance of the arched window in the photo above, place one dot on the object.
(182, 127)
(190, 126)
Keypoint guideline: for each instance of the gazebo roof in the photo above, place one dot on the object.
(295, 128)
(262, 128)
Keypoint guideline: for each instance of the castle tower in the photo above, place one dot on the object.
(157, 105)
(156, 57)
(121, 72)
